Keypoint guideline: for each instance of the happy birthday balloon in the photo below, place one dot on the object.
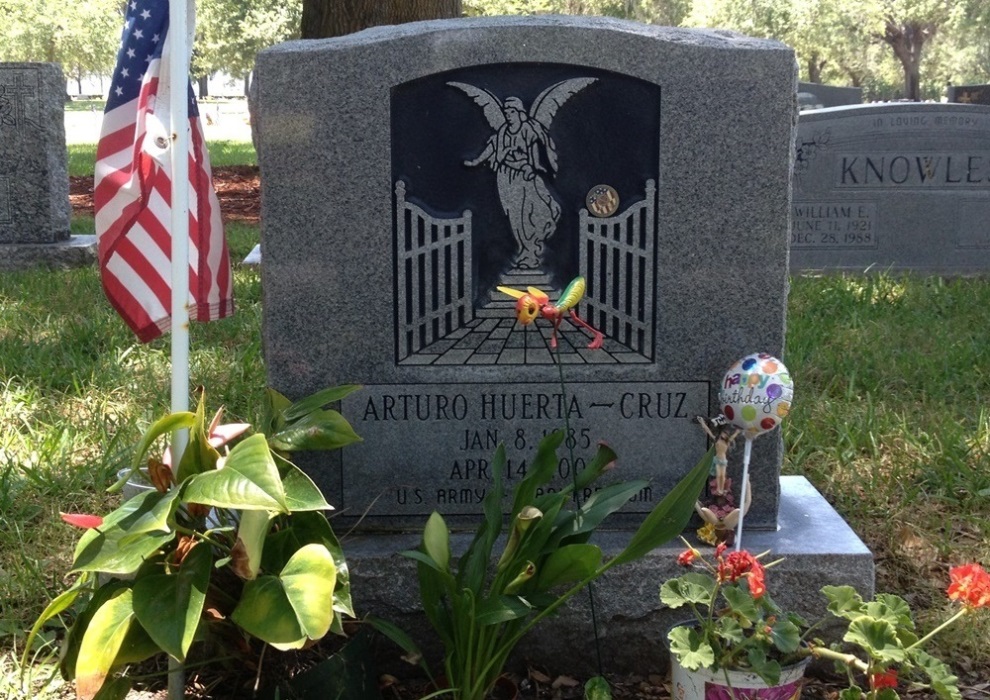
(756, 394)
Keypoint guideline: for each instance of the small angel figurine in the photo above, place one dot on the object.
(721, 514)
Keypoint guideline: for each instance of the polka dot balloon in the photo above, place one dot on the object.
(756, 394)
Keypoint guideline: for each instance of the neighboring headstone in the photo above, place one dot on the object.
(833, 95)
(898, 186)
(409, 171)
(969, 94)
(34, 181)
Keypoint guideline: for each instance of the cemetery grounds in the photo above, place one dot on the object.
(890, 420)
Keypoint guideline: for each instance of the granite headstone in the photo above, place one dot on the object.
(409, 172)
(899, 186)
(34, 180)
(399, 191)
(969, 94)
(833, 95)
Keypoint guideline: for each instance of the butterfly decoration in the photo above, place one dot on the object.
(534, 303)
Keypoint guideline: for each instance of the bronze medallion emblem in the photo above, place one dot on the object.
(602, 200)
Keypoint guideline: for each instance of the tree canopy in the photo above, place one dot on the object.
(892, 48)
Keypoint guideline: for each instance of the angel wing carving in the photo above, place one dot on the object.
(490, 104)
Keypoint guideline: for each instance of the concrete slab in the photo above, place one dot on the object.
(817, 545)
(77, 251)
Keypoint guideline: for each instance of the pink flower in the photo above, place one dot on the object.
(82, 520)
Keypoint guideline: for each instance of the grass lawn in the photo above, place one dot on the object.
(890, 422)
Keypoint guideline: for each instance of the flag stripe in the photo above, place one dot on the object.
(132, 192)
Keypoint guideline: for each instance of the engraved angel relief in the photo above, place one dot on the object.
(524, 158)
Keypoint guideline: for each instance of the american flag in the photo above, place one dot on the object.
(132, 190)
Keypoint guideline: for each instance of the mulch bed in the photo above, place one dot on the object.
(238, 188)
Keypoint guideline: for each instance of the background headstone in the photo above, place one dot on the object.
(833, 95)
(34, 179)
(969, 94)
(901, 186)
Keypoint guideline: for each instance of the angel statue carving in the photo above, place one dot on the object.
(524, 157)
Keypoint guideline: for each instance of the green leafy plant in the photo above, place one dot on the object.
(481, 612)
(737, 626)
(220, 548)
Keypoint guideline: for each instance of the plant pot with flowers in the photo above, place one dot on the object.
(740, 644)
(227, 553)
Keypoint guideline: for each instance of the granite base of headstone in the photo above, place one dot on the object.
(409, 172)
(34, 180)
(893, 187)
(817, 546)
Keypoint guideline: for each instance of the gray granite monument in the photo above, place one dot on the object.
(417, 180)
(899, 186)
(833, 95)
(34, 180)
(969, 94)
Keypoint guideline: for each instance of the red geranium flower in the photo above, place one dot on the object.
(883, 679)
(969, 584)
(687, 556)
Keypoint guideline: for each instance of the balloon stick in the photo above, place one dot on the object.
(747, 452)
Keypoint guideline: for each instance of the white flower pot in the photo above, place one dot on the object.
(705, 684)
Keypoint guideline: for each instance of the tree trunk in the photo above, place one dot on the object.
(204, 86)
(907, 40)
(326, 18)
(815, 65)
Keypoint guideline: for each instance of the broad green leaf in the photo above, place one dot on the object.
(767, 669)
(943, 681)
(844, 601)
(892, 608)
(786, 635)
(309, 579)
(670, 516)
(424, 559)
(541, 470)
(248, 480)
(316, 401)
(169, 606)
(501, 608)
(597, 688)
(600, 505)
(690, 589)
(199, 455)
(296, 605)
(604, 456)
(116, 689)
(877, 637)
(124, 540)
(137, 646)
(273, 411)
(310, 527)
(264, 611)
(730, 630)
(691, 650)
(59, 604)
(436, 540)
(102, 640)
(251, 533)
(474, 563)
(573, 562)
(741, 602)
(73, 640)
(301, 494)
(853, 692)
(320, 430)
(163, 426)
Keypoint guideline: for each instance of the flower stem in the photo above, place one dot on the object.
(850, 660)
(938, 629)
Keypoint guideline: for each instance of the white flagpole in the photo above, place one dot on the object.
(179, 128)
